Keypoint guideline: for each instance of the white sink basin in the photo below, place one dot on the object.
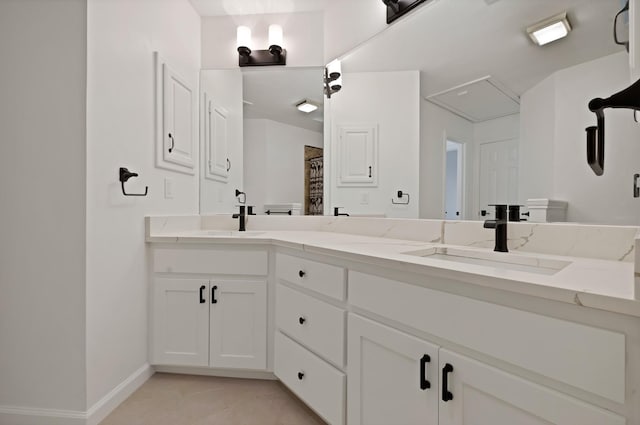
(498, 260)
(231, 233)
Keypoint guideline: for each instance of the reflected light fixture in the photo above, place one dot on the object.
(397, 8)
(306, 106)
(550, 29)
(275, 55)
(332, 78)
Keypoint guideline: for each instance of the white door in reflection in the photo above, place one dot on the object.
(498, 183)
(454, 180)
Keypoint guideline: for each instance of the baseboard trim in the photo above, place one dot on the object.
(109, 402)
(10, 415)
(222, 373)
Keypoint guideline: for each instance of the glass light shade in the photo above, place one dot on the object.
(334, 69)
(275, 35)
(336, 84)
(243, 37)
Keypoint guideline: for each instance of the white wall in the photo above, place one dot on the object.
(607, 199)
(274, 162)
(536, 150)
(392, 101)
(122, 36)
(303, 38)
(438, 125)
(223, 88)
(42, 219)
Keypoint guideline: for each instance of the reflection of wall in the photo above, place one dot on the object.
(224, 88)
(606, 199)
(274, 162)
(303, 38)
(391, 100)
(436, 126)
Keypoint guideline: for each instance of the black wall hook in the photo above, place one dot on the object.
(628, 98)
(126, 175)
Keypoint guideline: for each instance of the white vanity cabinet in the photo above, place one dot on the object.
(215, 317)
(310, 338)
(393, 376)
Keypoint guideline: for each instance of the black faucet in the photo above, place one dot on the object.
(336, 213)
(242, 216)
(500, 224)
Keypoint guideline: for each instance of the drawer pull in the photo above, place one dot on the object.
(424, 383)
(202, 288)
(300, 375)
(301, 273)
(302, 319)
(213, 295)
(446, 394)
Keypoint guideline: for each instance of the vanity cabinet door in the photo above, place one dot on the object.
(473, 393)
(180, 333)
(392, 376)
(238, 324)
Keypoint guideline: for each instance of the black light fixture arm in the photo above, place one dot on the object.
(628, 98)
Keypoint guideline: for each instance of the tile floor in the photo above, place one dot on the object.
(168, 399)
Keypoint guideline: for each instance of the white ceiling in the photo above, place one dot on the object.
(274, 94)
(456, 41)
(255, 7)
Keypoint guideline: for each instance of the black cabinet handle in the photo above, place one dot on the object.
(446, 394)
(369, 171)
(301, 320)
(301, 273)
(202, 288)
(228, 165)
(213, 295)
(300, 375)
(173, 143)
(424, 384)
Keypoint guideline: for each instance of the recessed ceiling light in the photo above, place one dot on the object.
(306, 106)
(551, 29)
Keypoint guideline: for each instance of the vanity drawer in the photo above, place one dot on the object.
(210, 261)
(314, 323)
(323, 278)
(585, 357)
(317, 383)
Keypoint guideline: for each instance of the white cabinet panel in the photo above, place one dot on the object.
(484, 395)
(358, 155)
(586, 357)
(217, 164)
(317, 383)
(210, 261)
(180, 322)
(323, 278)
(393, 377)
(238, 324)
(314, 323)
(176, 119)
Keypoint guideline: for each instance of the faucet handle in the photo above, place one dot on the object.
(250, 210)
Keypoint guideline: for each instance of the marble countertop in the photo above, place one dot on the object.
(601, 284)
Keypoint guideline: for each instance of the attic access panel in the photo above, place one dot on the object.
(480, 100)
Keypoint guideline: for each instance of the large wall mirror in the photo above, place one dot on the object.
(263, 127)
(443, 113)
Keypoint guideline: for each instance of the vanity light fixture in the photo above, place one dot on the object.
(275, 55)
(332, 78)
(306, 106)
(397, 8)
(550, 29)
